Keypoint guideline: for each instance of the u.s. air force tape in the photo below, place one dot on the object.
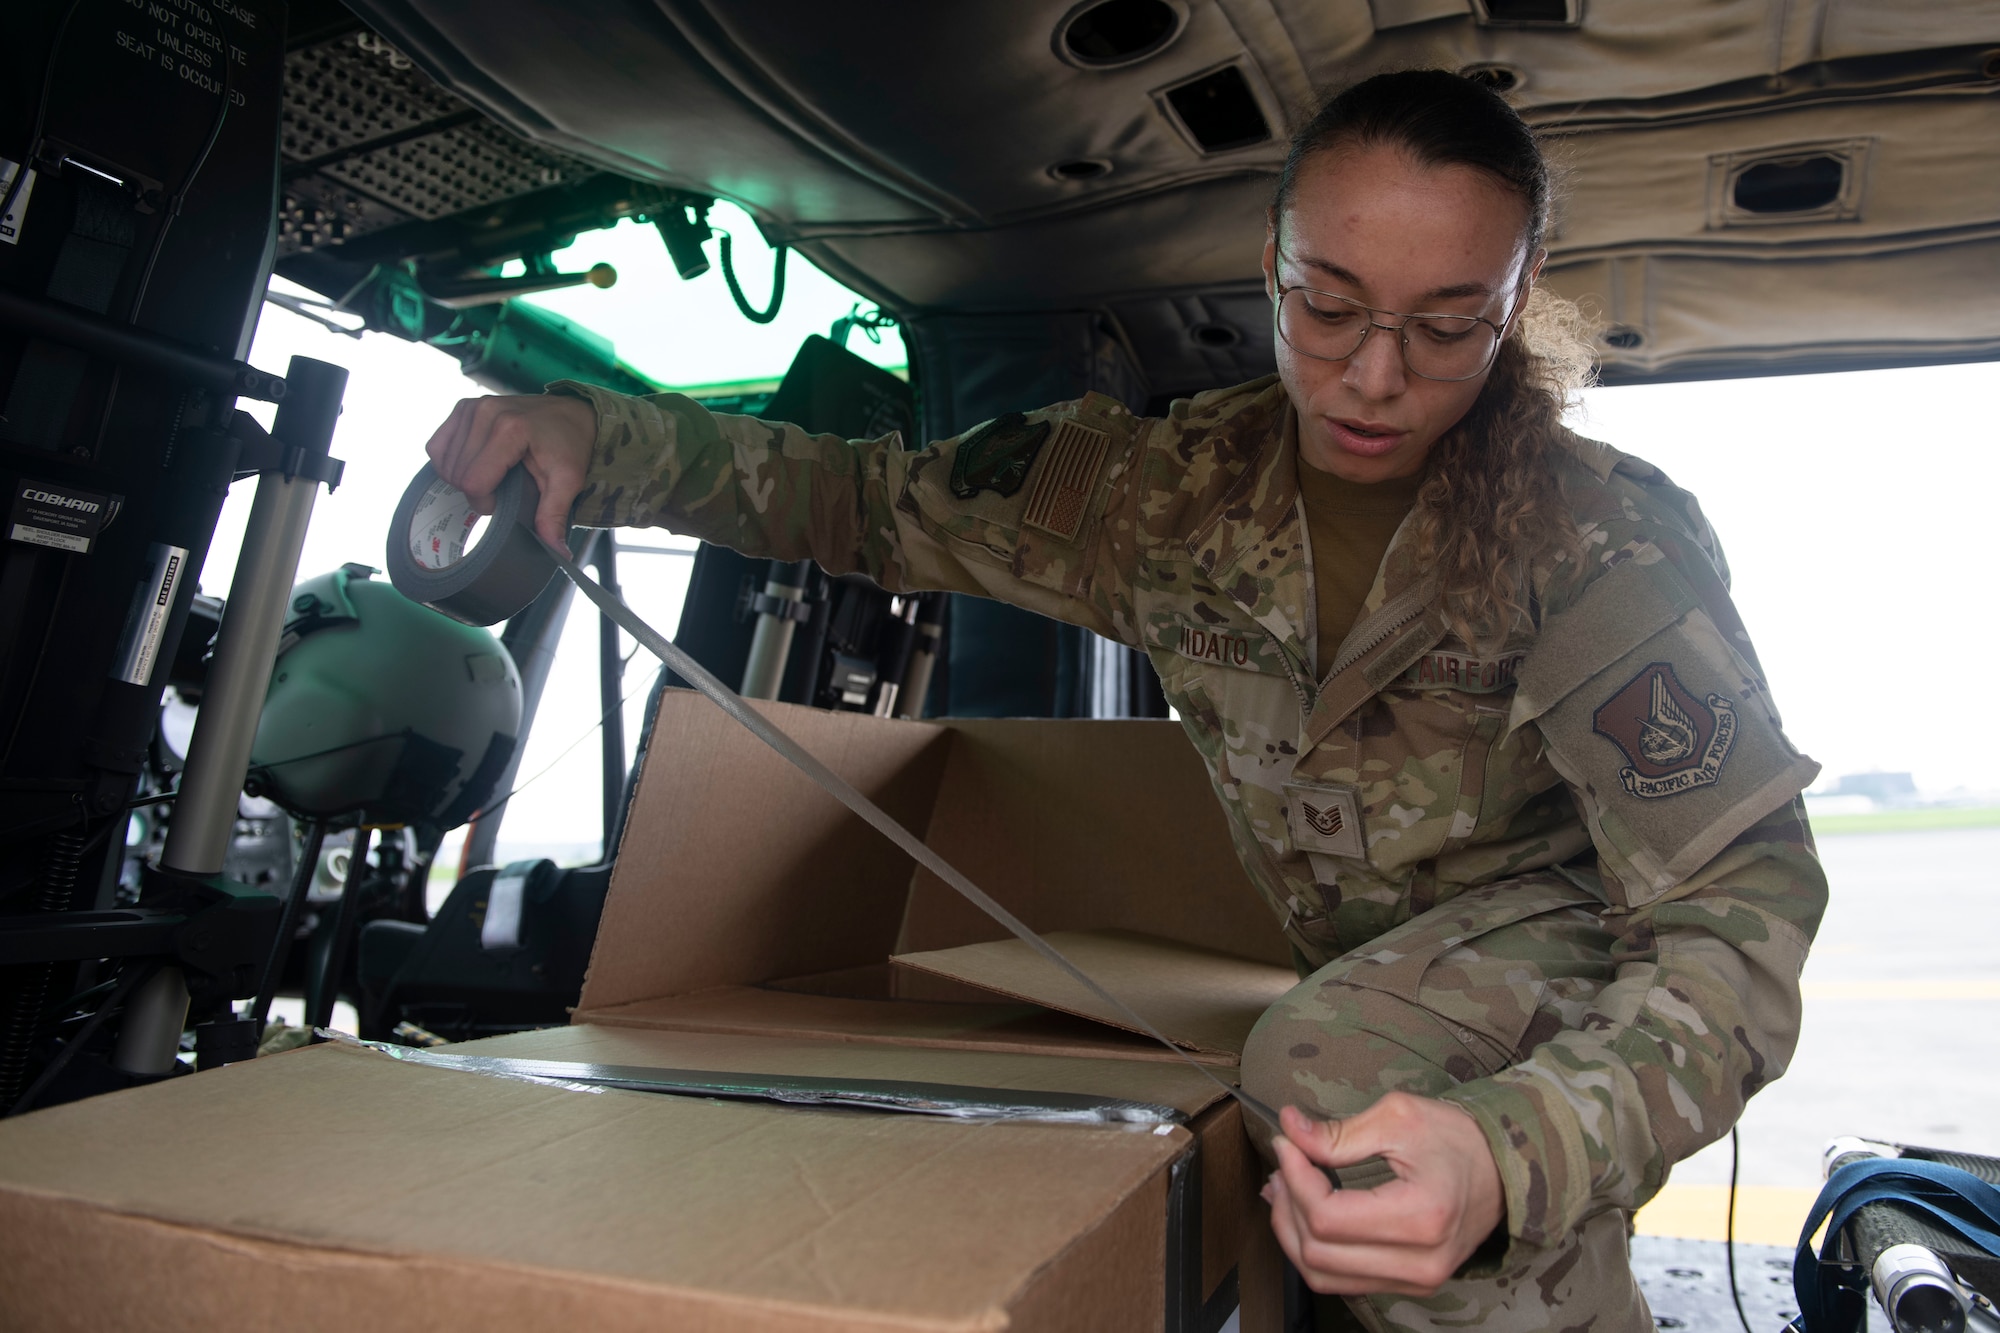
(435, 559)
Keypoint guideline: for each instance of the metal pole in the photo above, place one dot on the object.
(288, 924)
(610, 689)
(892, 659)
(771, 644)
(247, 643)
(346, 920)
(245, 646)
(135, 347)
(531, 638)
(150, 1037)
(924, 653)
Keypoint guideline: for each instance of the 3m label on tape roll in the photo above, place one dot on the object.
(442, 526)
(439, 555)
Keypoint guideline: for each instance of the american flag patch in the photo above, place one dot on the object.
(1061, 496)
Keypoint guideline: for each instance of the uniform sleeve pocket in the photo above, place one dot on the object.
(982, 523)
(1665, 734)
(1025, 490)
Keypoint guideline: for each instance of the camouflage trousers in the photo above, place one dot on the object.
(1456, 994)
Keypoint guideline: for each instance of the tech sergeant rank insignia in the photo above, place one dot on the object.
(1673, 741)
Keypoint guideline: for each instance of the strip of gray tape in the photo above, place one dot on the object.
(954, 1101)
(731, 703)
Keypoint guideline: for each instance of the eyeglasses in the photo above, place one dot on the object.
(1326, 327)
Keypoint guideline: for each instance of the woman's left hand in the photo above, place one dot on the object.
(1407, 1236)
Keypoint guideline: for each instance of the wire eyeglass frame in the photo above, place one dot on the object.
(1403, 329)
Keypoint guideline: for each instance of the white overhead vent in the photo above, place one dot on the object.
(1810, 182)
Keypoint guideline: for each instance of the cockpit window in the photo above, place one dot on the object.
(690, 333)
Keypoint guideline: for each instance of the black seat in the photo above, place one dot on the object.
(452, 977)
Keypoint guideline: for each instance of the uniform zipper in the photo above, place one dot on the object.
(1396, 613)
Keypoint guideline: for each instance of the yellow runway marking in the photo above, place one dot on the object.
(1765, 1214)
(1963, 989)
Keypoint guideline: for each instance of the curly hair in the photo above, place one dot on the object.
(1491, 507)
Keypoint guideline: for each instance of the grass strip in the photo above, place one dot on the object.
(1908, 821)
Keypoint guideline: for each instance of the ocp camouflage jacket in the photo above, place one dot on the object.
(1624, 740)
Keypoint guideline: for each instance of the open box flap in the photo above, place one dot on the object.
(1086, 826)
(735, 868)
(739, 881)
(1205, 1001)
(756, 1011)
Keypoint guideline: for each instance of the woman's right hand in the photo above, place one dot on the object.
(551, 434)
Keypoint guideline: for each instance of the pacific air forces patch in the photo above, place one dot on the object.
(997, 456)
(1673, 742)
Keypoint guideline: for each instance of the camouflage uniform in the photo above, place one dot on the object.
(1566, 884)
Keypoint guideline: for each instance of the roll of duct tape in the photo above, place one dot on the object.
(440, 556)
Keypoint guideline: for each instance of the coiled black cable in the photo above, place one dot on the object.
(750, 312)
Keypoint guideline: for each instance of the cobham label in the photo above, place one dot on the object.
(60, 517)
(1473, 675)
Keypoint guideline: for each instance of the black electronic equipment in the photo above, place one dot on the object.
(138, 192)
(853, 643)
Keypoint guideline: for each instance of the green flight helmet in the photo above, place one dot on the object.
(383, 706)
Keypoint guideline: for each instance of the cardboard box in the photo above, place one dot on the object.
(749, 932)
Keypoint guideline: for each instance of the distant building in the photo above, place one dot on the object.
(1882, 788)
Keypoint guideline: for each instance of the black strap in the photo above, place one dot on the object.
(784, 608)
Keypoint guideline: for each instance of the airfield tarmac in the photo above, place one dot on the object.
(1900, 1043)
(1902, 994)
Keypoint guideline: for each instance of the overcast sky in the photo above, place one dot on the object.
(1854, 510)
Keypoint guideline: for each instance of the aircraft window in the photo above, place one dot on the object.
(1118, 32)
(1837, 499)
(1219, 111)
(1795, 185)
(558, 811)
(690, 333)
(397, 393)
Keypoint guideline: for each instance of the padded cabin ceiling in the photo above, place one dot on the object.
(1755, 185)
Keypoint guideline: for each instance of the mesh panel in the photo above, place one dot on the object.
(371, 142)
